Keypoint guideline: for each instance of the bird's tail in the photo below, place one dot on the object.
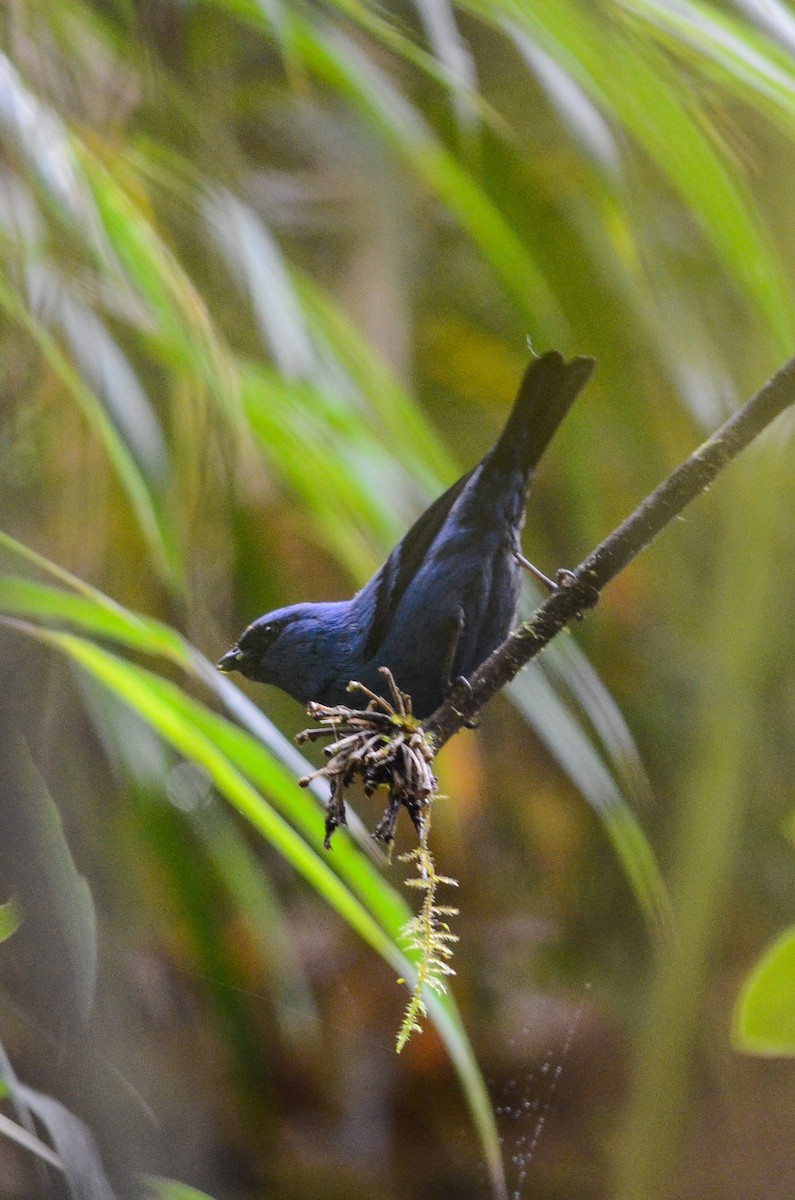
(547, 392)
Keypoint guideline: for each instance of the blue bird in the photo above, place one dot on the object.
(446, 596)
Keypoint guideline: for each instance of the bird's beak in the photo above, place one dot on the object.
(231, 660)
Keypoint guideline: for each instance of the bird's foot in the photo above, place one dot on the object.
(564, 578)
(459, 692)
(550, 584)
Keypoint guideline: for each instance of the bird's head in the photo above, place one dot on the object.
(249, 654)
(293, 648)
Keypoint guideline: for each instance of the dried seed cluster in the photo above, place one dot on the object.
(383, 744)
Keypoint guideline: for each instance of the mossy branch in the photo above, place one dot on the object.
(580, 589)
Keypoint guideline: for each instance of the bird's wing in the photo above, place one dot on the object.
(546, 393)
(405, 561)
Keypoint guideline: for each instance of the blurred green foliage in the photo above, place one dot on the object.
(269, 273)
(764, 1022)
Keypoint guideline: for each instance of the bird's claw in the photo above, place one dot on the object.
(460, 691)
(564, 578)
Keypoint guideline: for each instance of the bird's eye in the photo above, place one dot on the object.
(262, 637)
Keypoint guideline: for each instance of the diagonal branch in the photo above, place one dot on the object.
(580, 589)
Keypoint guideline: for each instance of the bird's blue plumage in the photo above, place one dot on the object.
(446, 596)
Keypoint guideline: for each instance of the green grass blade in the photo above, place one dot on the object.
(569, 744)
(328, 457)
(764, 1016)
(170, 713)
(661, 112)
(26, 598)
(11, 918)
(90, 611)
(151, 520)
(726, 49)
(196, 733)
(183, 334)
(336, 60)
(171, 1189)
(399, 418)
(56, 884)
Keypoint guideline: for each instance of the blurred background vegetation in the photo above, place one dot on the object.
(269, 274)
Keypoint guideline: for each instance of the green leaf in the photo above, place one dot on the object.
(195, 734)
(399, 417)
(326, 454)
(339, 62)
(93, 612)
(10, 918)
(366, 902)
(151, 521)
(764, 1015)
(170, 1189)
(62, 893)
(725, 49)
(569, 743)
(184, 332)
(661, 111)
(79, 1155)
(466, 99)
(25, 597)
